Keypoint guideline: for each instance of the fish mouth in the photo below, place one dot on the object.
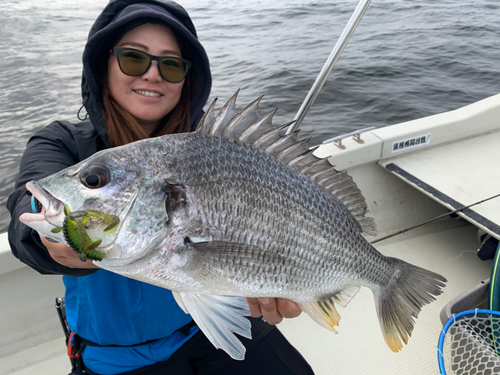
(54, 208)
(83, 231)
(73, 229)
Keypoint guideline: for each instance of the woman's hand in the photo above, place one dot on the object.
(273, 309)
(65, 255)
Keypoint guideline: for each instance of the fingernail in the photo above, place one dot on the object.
(264, 301)
(281, 300)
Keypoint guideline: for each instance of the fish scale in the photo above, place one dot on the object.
(272, 200)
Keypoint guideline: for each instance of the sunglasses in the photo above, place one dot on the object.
(135, 63)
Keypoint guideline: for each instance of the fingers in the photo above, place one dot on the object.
(273, 310)
(64, 255)
(288, 309)
(254, 306)
(269, 309)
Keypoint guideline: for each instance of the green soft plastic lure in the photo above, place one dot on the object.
(75, 228)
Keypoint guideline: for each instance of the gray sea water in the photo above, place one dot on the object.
(407, 59)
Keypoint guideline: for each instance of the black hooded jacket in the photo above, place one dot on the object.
(62, 144)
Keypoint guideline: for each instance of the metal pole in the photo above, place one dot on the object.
(330, 63)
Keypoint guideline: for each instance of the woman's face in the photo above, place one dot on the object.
(149, 97)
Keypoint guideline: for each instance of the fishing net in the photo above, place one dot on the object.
(470, 344)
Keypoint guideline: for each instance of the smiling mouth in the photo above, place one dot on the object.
(148, 93)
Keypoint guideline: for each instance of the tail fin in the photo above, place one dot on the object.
(400, 302)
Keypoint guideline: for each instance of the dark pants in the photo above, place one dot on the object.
(269, 353)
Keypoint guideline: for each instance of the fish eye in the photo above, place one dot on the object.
(95, 176)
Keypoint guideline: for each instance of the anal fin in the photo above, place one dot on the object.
(344, 296)
(219, 318)
(324, 311)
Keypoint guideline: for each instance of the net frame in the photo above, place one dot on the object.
(470, 344)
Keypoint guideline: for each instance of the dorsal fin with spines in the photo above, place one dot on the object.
(257, 128)
(207, 120)
(224, 117)
(247, 126)
(242, 120)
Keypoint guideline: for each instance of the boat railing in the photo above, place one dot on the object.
(356, 135)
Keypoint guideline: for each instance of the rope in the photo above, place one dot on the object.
(436, 218)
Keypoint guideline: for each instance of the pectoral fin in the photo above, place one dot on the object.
(219, 317)
(180, 302)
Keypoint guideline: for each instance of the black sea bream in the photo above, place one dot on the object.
(230, 211)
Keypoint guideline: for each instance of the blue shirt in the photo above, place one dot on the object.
(110, 309)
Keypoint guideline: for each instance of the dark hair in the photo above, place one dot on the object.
(122, 127)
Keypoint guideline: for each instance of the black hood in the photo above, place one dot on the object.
(113, 20)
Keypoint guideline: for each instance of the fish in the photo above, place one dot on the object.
(235, 209)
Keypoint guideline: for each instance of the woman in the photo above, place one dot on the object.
(145, 75)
